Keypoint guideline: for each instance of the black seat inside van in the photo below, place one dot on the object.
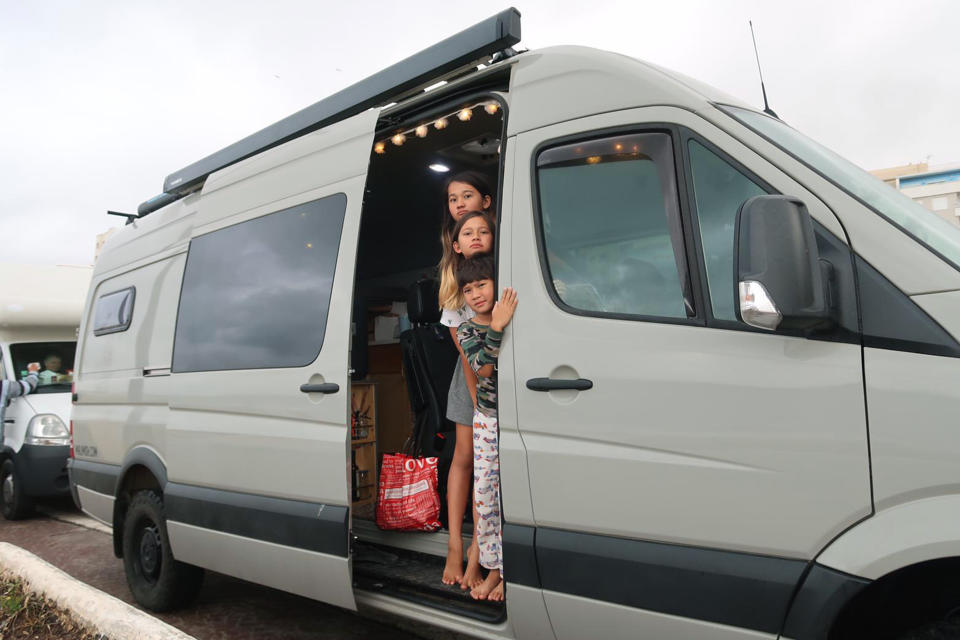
(429, 356)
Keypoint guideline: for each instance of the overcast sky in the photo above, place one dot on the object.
(100, 100)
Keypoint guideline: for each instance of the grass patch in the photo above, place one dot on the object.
(24, 615)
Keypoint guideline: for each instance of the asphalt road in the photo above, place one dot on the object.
(226, 609)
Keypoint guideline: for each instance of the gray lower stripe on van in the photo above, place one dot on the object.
(519, 559)
(726, 587)
(95, 476)
(823, 595)
(304, 525)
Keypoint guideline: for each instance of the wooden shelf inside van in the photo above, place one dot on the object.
(363, 450)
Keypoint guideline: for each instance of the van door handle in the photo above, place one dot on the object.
(552, 384)
(326, 387)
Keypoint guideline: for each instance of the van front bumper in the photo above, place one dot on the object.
(42, 469)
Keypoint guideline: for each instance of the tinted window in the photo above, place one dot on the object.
(608, 215)
(719, 190)
(113, 312)
(256, 295)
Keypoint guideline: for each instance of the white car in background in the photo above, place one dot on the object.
(40, 309)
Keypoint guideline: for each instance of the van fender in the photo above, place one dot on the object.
(139, 456)
(897, 537)
(146, 457)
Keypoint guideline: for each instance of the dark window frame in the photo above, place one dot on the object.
(836, 335)
(129, 301)
(691, 289)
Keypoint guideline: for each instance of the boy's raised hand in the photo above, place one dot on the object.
(503, 309)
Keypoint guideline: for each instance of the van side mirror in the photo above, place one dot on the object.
(781, 283)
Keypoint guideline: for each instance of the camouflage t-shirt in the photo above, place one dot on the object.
(481, 346)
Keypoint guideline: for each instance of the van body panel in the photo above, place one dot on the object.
(326, 157)
(944, 307)
(670, 416)
(575, 618)
(712, 440)
(898, 536)
(148, 239)
(149, 343)
(910, 266)
(912, 401)
(298, 571)
(557, 84)
(517, 508)
(98, 506)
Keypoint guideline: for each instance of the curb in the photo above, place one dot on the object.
(91, 607)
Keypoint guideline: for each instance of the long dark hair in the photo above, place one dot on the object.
(450, 296)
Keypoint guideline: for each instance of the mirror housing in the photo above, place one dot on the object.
(780, 281)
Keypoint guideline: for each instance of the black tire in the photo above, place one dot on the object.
(157, 581)
(14, 504)
(941, 630)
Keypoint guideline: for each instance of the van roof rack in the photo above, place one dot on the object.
(468, 48)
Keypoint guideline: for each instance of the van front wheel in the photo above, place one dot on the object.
(158, 582)
(13, 503)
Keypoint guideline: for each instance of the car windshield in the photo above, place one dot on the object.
(920, 223)
(55, 360)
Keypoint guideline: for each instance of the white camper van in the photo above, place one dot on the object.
(40, 308)
(726, 400)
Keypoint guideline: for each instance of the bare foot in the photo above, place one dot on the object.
(453, 570)
(497, 594)
(485, 589)
(473, 576)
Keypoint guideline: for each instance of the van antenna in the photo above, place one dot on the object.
(766, 106)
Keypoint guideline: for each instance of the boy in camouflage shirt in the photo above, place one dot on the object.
(480, 339)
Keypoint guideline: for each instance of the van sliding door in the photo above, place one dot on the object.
(257, 446)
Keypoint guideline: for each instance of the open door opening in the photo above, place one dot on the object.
(414, 156)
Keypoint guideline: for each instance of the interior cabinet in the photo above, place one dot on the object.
(363, 442)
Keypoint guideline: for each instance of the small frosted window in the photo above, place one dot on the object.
(113, 312)
(939, 204)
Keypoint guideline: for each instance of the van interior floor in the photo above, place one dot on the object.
(414, 576)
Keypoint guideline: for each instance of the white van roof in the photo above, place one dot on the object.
(41, 298)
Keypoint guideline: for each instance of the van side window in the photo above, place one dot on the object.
(256, 294)
(719, 190)
(609, 219)
(113, 311)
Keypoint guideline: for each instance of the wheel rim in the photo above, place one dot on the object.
(8, 489)
(150, 552)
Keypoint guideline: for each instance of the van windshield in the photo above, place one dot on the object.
(56, 363)
(922, 224)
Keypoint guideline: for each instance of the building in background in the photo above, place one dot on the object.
(936, 188)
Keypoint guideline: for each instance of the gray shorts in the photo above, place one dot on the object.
(459, 404)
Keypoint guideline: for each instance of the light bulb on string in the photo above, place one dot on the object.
(465, 114)
(421, 131)
(491, 107)
(380, 148)
(398, 139)
(440, 124)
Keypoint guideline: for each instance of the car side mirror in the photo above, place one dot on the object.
(780, 282)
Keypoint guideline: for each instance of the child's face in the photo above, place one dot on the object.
(480, 295)
(52, 363)
(462, 198)
(475, 238)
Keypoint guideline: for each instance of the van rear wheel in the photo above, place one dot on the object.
(14, 504)
(157, 580)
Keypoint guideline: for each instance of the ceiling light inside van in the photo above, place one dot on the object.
(439, 168)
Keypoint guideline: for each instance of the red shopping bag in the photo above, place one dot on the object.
(408, 498)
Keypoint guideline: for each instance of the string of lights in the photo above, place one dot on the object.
(421, 130)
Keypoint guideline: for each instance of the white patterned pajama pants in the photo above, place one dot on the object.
(486, 490)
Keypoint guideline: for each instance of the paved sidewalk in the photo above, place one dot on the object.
(226, 609)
